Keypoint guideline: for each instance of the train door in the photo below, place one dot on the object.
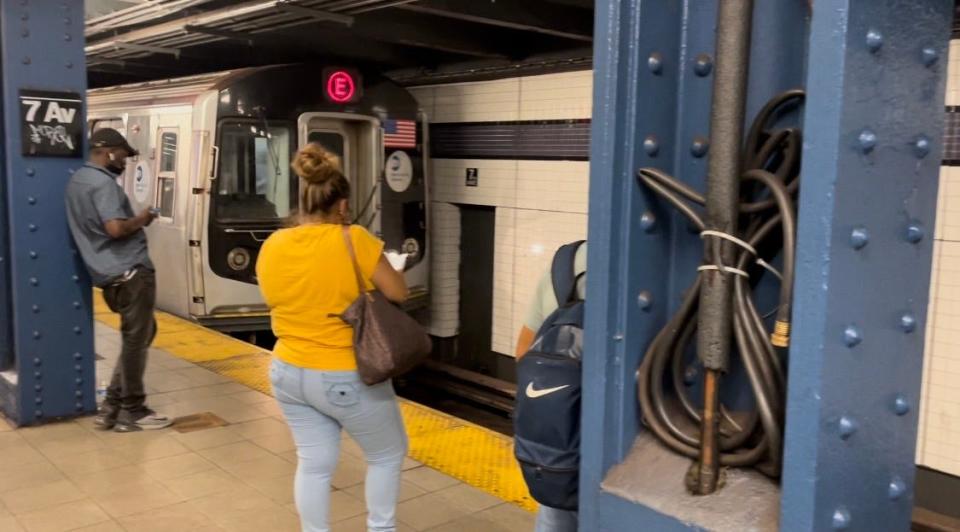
(356, 142)
(165, 169)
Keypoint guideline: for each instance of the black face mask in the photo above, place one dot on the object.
(116, 167)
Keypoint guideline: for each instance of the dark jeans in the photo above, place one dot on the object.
(134, 301)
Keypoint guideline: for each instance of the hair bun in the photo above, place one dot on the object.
(316, 165)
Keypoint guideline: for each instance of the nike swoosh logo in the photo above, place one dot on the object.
(533, 394)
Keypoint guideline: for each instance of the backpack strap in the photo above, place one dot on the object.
(563, 273)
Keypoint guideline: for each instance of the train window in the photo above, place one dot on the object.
(330, 140)
(166, 172)
(255, 181)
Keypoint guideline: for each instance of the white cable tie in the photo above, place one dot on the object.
(766, 265)
(725, 269)
(730, 238)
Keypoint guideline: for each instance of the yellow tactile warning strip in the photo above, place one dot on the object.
(470, 453)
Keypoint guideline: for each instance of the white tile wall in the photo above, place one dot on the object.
(540, 204)
(557, 96)
(938, 446)
(444, 270)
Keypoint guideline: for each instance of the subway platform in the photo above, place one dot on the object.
(229, 461)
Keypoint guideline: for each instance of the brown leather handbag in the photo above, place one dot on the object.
(387, 341)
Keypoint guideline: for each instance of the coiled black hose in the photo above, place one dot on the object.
(771, 162)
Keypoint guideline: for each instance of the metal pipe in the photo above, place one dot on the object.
(714, 328)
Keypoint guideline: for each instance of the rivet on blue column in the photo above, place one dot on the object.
(908, 322)
(874, 40)
(79, 393)
(921, 146)
(699, 147)
(79, 406)
(929, 56)
(37, 374)
(868, 140)
(31, 172)
(33, 254)
(67, 37)
(34, 281)
(648, 221)
(38, 400)
(896, 489)
(38, 387)
(31, 200)
(25, 60)
(852, 336)
(847, 427)
(859, 237)
(703, 65)
(75, 277)
(37, 361)
(79, 380)
(900, 405)
(38, 413)
(24, 33)
(77, 356)
(618, 337)
(35, 309)
(77, 330)
(645, 300)
(841, 519)
(651, 146)
(69, 64)
(36, 335)
(78, 367)
(915, 232)
(655, 63)
(76, 305)
(32, 228)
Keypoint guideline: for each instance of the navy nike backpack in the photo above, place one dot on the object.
(547, 413)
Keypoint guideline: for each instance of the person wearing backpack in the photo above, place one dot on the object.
(547, 413)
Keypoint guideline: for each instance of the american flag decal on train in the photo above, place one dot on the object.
(399, 134)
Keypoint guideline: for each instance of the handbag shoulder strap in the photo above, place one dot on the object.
(353, 258)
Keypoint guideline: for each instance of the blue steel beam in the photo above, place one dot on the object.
(47, 332)
(652, 88)
(868, 198)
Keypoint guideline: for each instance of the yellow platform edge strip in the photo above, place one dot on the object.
(470, 453)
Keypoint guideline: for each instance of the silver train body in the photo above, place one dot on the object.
(215, 154)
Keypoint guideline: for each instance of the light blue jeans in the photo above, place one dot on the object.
(317, 404)
(555, 520)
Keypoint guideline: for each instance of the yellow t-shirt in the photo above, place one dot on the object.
(305, 274)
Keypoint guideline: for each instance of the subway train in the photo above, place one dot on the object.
(215, 154)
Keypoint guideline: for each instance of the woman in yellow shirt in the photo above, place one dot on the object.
(306, 276)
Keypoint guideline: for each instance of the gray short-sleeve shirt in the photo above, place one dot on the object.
(93, 198)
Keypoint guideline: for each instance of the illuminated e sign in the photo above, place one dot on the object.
(342, 85)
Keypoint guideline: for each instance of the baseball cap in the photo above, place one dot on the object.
(111, 138)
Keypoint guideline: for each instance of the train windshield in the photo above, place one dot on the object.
(255, 183)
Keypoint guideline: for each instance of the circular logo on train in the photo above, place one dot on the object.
(141, 182)
(399, 171)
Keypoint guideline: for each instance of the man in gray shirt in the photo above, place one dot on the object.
(111, 240)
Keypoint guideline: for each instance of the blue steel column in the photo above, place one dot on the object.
(872, 127)
(46, 307)
(867, 204)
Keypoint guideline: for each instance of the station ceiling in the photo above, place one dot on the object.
(413, 41)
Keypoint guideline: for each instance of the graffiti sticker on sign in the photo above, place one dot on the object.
(51, 124)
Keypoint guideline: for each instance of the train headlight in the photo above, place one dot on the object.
(238, 259)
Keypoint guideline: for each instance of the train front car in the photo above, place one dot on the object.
(262, 118)
(215, 160)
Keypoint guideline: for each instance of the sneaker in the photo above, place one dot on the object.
(106, 416)
(143, 420)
